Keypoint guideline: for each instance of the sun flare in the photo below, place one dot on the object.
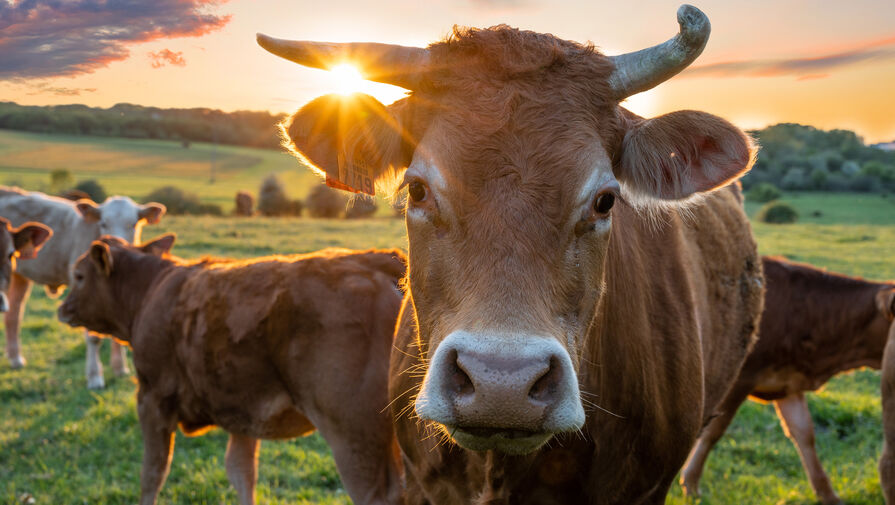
(346, 79)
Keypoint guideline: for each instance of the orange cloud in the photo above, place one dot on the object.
(166, 57)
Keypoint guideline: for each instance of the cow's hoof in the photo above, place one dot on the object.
(96, 382)
(17, 362)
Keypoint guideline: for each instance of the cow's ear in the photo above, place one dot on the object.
(885, 301)
(101, 256)
(152, 212)
(355, 129)
(29, 238)
(160, 246)
(88, 209)
(676, 155)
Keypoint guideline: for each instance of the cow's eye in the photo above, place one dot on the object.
(604, 202)
(417, 191)
(79, 277)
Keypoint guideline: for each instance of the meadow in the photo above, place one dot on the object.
(62, 444)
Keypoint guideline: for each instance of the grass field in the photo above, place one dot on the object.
(64, 445)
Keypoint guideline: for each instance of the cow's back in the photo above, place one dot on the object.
(71, 234)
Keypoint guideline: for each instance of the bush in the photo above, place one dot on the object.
(778, 213)
(360, 207)
(272, 199)
(324, 201)
(178, 201)
(60, 180)
(93, 188)
(763, 193)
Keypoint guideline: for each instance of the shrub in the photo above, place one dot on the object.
(245, 204)
(360, 207)
(60, 180)
(178, 201)
(864, 183)
(324, 201)
(778, 213)
(272, 199)
(763, 193)
(93, 188)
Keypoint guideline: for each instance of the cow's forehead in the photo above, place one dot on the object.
(119, 208)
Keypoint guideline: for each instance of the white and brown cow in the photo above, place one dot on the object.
(563, 338)
(76, 226)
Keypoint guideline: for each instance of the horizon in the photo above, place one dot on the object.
(830, 69)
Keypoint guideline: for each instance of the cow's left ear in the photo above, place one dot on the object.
(152, 212)
(101, 256)
(29, 238)
(159, 246)
(88, 209)
(885, 301)
(676, 155)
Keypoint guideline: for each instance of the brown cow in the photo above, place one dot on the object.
(272, 347)
(815, 325)
(887, 383)
(566, 280)
(17, 244)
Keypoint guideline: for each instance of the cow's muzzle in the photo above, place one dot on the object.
(506, 392)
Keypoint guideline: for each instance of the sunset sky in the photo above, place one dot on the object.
(828, 64)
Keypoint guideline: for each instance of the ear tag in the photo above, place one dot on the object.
(353, 177)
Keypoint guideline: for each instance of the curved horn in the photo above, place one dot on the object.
(644, 69)
(390, 64)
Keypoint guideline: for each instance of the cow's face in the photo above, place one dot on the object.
(121, 217)
(517, 158)
(22, 243)
(99, 289)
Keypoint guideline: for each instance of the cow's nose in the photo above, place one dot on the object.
(526, 385)
(492, 388)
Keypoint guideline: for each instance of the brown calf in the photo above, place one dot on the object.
(18, 244)
(271, 348)
(887, 459)
(815, 324)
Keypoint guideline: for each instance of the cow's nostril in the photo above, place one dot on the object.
(459, 382)
(546, 386)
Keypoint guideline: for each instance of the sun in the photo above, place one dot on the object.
(346, 79)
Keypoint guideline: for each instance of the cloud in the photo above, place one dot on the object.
(41, 88)
(802, 69)
(166, 57)
(53, 38)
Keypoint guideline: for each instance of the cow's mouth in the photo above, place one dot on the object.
(506, 440)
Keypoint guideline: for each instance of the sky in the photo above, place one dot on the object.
(827, 64)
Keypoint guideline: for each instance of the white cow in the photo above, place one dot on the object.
(76, 225)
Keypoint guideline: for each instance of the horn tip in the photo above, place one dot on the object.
(262, 39)
(692, 18)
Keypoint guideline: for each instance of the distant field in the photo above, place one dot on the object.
(136, 167)
(65, 445)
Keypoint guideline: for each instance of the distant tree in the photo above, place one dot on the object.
(360, 207)
(819, 176)
(850, 168)
(272, 199)
(880, 170)
(763, 193)
(324, 201)
(60, 180)
(93, 188)
(179, 201)
(778, 213)
(795, 179)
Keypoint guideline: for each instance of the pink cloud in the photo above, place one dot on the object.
(166, 57)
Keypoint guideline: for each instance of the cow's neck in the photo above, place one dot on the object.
(130, 290)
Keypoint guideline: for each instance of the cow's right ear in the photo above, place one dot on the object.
(159, 246)
(88, 209)
(357, 129)
(885, 301)
(29, 238)
(101, 256)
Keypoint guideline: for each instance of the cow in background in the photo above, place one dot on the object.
(18, 244)
(76, 226)
(267, 348)
(815, 325)
(562, 340)
(887, 386)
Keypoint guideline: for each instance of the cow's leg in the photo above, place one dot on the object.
(242, 466)
(796, 420)
(118, 359)
(157, 422)
(94, 369)
(713, 432)
(19, 290)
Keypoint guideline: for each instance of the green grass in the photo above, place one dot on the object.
(65, 445)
